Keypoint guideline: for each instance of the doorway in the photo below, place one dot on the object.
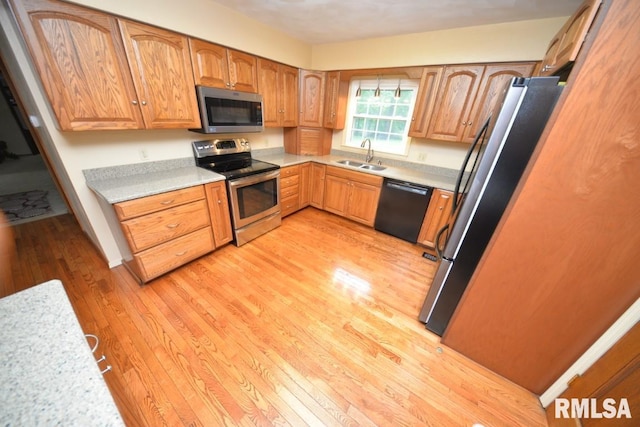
(28, 190)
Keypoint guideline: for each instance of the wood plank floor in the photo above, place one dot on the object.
(314, 323)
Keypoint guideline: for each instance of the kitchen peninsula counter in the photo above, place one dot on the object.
(48, 374)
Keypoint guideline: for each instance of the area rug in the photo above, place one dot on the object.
(19, 206)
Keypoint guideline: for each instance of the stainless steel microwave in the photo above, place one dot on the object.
(229, 111)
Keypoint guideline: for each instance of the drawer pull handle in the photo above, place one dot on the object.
(167, 202)
(181, 253)
(173, 225)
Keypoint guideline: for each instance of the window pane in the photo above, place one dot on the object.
(384, 125)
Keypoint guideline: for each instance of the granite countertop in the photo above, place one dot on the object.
(431, 176)
(120, 183)
(48, 374)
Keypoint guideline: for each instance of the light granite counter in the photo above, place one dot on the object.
(48, 374)
(431, 176)
(120, 183)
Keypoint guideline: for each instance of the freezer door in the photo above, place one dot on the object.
(439, 279)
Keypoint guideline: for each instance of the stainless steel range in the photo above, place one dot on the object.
(253, 185)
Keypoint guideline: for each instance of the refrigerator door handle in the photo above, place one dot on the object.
(479, 140)
(437, 240)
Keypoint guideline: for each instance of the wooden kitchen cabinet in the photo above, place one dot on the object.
(311, 104)
(289, 189)
(425, 101)
(218, 203)
(436, 217)
(335, 104)
(79, 55)
(165, 231)
(317, 185)
(566, 44)
(352, 194)
(221, 67)
(466, 96)
(278, 85)
(307, 141)
(305, 185)
(162, 75)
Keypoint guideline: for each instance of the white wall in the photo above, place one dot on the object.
(72, 152)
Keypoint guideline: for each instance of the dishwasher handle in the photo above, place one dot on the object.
(404, 186)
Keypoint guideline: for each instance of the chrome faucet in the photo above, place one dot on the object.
(369, 155)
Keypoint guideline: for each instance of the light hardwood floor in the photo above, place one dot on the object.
(314, 323)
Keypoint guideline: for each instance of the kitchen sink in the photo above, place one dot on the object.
(372, 167)
(351, 163)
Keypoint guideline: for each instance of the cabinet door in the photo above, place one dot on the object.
(363, 202)
(305, 185)
(243, 71)
(436, 217)
(425, 102)
(549, 61)
(80, 58)
(493, 84)
(210, 67)
(456, 94)
(311, 98)
(317, 185)
(288, 92)
(162, 75)
(219, 211)
(269, 85)
(336, 194)
(332, 86)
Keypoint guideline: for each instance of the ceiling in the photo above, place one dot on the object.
(329, 21)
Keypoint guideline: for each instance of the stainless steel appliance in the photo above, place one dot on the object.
(253, 186)
(487, 179)
(228, 111)
(401, 209)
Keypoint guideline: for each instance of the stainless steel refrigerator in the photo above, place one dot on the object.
(486, 181)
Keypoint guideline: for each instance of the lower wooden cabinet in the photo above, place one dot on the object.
(436, 217)
(317, 185)
(168, 230)
(352, 194)
(294, 188)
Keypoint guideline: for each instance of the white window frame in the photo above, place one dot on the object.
(390, 85)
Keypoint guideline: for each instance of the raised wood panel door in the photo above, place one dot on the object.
(575, 32)
(425, 102)
(162, 74)
(311, 98)
(336, 194)
(288, 91)
(548, 65)
(269, 88)
(305, 185)
(493, 84)
(317, 185)
(210, 67)
(436, 217)
(80, 58)
(363, 203)
(219, 212)
(456, 94)
(243, 71)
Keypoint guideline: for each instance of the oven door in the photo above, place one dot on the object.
(254, 197)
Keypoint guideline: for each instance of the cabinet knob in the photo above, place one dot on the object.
(470, 123)
(464, 123)
(228, 84)
(219, 202)
(134, 102)
(172, 226)
(440, 208)
(144, 102)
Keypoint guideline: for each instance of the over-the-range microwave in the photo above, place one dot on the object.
(229, 111)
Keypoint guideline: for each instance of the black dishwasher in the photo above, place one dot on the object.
(401, 209)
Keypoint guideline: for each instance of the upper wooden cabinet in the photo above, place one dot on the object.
(162, 75)
(218, 66)
(425, 101)
(278, 85)
(566, 44)
(80, 58)
(102, 73)
(466, 96)
(312, 86)
(335, 103)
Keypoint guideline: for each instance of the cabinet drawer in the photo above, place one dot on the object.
(145, 205)
(363, 177)
(167, 256)
(289, 171)
(289, 181)
(288, 191)
(149, 230)
(289, 205)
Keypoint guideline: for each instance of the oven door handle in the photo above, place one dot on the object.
(253, 179)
